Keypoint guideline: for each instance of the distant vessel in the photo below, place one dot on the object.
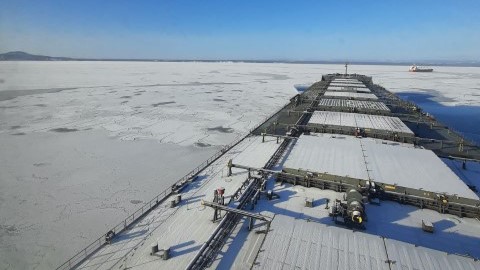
(416, 68)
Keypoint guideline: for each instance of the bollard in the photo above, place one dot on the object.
(166, 253)
(154, 249)
(309, 202)
(250, 223)
(109, 236)
(229, 165)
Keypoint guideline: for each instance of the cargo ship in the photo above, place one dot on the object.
(416, 68)
(346, 175)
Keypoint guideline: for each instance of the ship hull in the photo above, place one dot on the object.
(422, 70)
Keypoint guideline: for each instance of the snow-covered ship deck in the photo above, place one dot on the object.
(377, 160)
(347, 81)
(183, 228)
(294, 234)
(299, 236)
(306, 238)
(351, 95)
(348, 88)
(353, 104)
(355, 120)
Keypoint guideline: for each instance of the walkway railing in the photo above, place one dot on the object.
(147, 207)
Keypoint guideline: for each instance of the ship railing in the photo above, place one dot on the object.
(83, 254)
(139, 213)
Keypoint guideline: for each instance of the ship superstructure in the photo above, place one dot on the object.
(344, 176)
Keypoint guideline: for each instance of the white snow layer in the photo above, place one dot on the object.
(377, 160)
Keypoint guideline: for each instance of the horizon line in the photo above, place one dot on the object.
(466, 63)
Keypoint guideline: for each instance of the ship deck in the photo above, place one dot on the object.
(348, 88)
(185, 227)
(348, 81)
(300, 236)
(376, 160)
(351, 95)
(353, 104)
(307, 238)
(355, 120)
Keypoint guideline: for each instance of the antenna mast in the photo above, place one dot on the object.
(346, 69)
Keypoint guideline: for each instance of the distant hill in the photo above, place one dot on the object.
(23, 56)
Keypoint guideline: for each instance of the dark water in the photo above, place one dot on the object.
(64, 130)
(221, 129)
(464, 119)
(301, 87)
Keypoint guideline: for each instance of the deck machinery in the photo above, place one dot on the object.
(351, 211)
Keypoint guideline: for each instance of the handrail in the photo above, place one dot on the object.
(147, 207)
(99, 242)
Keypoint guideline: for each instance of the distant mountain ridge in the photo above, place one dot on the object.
(23, 56)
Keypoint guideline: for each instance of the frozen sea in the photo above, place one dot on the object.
(83, 144)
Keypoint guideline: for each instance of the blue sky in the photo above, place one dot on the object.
(285, 30)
